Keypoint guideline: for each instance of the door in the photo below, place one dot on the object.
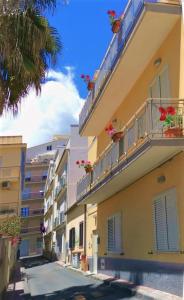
(159, 90)
(24, 248)
(95, 253)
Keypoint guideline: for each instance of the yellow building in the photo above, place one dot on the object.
(137, 181)
(12, 163)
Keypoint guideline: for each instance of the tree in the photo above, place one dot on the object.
(27, 46)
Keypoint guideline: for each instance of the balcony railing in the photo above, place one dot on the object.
(34, 179)
(61, 185)
(60, 219)
(7, 209)
(30, 230)
(144, 125)
(9, 173)
(32, 212)
(130, 18)
(32, 195)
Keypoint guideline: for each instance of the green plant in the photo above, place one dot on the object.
(11, 226)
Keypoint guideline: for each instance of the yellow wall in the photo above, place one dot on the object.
(169, 52)
(135, 205)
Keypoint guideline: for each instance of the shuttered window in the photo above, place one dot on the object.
(81, 234)
(72, 238)
(166, 222)
(114, 233)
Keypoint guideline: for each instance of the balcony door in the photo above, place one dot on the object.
(159, 89)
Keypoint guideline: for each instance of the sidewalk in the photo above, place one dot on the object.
(140, 292)
(15, 290)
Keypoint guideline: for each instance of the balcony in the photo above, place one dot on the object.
(9, 173)
(59, 220)
(145, 26)
(30, 230)
(35, 179)
(33, 195)
(146, 144)
(7, 209)
(37, 212)
(61, 186)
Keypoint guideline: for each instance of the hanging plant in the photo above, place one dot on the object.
(85, 164)
(171, 121)
(88, 81)
(115, 22)
(116, 135)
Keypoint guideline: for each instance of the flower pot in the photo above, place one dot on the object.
(91, 85)
(116, 26)
(88, 169)
(173, 132)
(116, 137)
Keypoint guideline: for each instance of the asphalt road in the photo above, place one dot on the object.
(52, 282)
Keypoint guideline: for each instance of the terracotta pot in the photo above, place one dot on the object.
(116, 137)
(173, 132)
(116, 26)
(91, 85)
(88, 169)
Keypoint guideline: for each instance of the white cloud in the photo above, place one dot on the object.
(40, 117)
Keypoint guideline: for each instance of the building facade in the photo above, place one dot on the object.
(137, 184)
(32, 207)
(12, 163)
(64, 220)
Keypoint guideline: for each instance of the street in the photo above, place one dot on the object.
(51, 281)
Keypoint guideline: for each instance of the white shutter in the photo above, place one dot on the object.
(172, 220)
(118, 247)
(164, 83)
(160, 224)
(155, 88)
(110, 234)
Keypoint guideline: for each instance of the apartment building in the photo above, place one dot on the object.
(136, 187)
(64, 220)
(32, 206)
(12, 162)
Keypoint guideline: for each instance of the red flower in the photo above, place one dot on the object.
(113, 13)
(163, 117)
(171, 110)
(77, 162)
(87, 77)
(162, 110)
(82, 161)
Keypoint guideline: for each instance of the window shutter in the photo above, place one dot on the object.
(118, 247)
(111, 240)
(160, 224)
(172, 221)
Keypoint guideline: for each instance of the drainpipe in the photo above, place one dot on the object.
(85, 231)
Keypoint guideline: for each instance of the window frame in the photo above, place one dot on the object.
(116, 250)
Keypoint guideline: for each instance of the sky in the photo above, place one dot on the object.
(85, 33)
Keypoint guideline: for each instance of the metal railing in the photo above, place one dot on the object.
(9, 209)
(30, 230)
(130, 18)
(61, 185)
(60, 219)
(32, 195)
(144, 125)
(32, 212)
(8, 173)
(36, 178)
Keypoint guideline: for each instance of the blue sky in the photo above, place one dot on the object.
(85, 32)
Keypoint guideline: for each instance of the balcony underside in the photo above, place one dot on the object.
(146, 158)
(152, 28)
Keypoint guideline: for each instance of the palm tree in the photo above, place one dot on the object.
(27, 45)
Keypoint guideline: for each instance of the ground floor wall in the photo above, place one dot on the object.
(91, 232)
(31, 245)
(133, 252)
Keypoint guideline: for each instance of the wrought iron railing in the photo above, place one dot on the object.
(32, 195)
(32, 212)
(61, 185)
(130, 18)
(145, 124)
(36, 178)
(7, 209)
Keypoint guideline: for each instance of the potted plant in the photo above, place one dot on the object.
(85, 164)
(115, 22)
(114, 133)
(171, 121)
(90, 83)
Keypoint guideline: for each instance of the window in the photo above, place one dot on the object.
(49, 147)
(24, 211)
(72, 238)
(114, 233)
(166, 222)
(81, 234)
